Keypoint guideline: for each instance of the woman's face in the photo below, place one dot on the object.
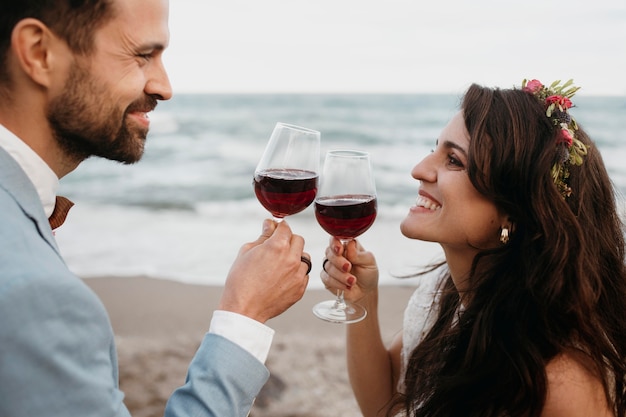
(448, 209)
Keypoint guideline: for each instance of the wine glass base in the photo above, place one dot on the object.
(333, 312)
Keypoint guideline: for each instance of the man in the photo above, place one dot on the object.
(77, 79)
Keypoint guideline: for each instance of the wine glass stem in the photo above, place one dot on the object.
(340, 303)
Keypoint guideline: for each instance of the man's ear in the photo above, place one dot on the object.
(32, 42)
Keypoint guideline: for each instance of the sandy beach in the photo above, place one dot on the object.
(158, 325)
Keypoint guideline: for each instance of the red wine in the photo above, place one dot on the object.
(346, 216)
(285, 191)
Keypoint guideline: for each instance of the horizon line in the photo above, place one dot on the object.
(361, 92)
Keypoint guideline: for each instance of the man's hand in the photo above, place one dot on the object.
(268, 275)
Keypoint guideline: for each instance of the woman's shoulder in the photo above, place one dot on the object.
(574, 388)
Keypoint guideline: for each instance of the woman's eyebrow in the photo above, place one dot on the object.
(450, 144)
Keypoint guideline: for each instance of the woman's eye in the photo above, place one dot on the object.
(452, 160)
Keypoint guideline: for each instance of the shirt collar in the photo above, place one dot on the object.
(40, 174)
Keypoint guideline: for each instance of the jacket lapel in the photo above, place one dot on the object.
(15, 181)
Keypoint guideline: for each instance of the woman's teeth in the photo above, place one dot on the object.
(426, 203)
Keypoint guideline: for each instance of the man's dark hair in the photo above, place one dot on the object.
(75, 21)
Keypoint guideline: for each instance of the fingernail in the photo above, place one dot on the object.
(336, 249)
(346, 267)
(350, 281)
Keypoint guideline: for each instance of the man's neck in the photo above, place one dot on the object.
(34, 130)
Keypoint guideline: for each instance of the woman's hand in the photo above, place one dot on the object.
(350, 268)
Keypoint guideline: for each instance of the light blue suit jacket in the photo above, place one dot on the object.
(57, 350)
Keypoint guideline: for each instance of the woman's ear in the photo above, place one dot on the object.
(507, 221)
(31, 43)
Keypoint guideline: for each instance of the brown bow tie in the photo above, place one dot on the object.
(61, 208)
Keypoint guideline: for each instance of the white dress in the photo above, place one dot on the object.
(419, 318)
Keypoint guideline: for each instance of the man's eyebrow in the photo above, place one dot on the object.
(154, 46)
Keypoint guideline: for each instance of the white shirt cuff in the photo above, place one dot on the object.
(251, 335)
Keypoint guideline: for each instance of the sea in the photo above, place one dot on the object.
(183, 212)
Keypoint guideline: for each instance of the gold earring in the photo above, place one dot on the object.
(504, 235)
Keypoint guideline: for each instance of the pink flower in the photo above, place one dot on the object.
(564, 102)
(564, 136)
(533, 86)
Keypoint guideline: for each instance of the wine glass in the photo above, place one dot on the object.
(285, 180)
(345, 207)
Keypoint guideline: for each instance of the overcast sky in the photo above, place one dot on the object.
(404, 46)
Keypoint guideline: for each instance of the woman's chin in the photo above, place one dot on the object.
(407, 230)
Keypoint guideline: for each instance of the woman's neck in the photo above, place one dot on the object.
(459, 264)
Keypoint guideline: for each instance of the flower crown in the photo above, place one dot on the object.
(556, 99)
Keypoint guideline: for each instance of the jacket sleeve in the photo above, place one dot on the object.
(222, 381)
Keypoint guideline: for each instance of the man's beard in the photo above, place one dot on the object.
(85, 121)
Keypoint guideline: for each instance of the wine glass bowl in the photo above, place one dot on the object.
(284, 192)
(346, 216)
(286, 178)
(345, 207)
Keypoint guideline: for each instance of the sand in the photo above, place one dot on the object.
(158, 325)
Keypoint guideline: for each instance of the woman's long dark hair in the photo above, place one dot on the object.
(558, 286)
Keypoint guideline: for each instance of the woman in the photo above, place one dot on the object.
(528, 316)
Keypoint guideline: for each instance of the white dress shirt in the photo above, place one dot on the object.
(250, 334)
(40, 174)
